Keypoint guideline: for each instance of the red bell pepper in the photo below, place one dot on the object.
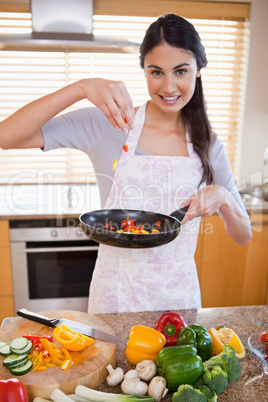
(170, 324)
(13, 390)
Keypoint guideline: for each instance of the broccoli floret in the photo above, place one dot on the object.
(186, 393)
(210, 395)
(216, 379)
(228, 361)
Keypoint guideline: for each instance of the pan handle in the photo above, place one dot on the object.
(179, 214)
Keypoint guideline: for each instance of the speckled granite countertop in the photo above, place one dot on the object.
(243, 320)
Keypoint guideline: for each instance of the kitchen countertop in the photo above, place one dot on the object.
(243, 320)
(19, 202)
(52, 201)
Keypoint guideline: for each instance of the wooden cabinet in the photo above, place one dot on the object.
(6, 287)
(231, 275)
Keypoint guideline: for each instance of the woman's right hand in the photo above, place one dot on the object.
(22, 129)
(112, 98)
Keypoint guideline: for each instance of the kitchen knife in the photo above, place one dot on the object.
(75, 326)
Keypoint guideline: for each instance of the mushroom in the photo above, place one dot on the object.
(131, 374)
(115, 376)
(146, 370)
(134, 386)
(157, 388)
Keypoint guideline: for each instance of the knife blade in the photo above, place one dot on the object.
(73, 325)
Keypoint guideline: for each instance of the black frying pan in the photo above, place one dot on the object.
(92, 224)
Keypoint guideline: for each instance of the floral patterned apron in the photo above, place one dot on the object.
(159, 278)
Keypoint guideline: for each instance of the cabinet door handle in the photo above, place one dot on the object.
(259, 223)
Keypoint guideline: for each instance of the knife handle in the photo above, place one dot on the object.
(41, 319)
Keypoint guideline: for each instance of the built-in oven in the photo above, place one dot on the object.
(52, 264)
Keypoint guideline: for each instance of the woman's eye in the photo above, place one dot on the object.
(181, 72)
(156, 72)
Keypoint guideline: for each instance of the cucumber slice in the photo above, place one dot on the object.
(23, 369)
(13, 359)
(18, 364)
(5, 350)
(2, 343)
(24, 350)
(18, 343)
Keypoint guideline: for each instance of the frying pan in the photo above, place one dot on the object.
(92, 224)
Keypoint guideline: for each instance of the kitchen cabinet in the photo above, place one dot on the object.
(231, 275)
(6, 287)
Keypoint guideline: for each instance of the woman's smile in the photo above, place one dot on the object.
(170, 99)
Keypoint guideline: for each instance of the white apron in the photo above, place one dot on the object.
(159, 278)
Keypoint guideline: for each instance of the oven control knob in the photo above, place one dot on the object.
(54, 233)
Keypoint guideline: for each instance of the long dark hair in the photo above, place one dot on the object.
(178, 32)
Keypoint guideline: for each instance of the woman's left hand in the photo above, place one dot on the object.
(205, 202)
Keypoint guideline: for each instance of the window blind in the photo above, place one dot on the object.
(27, 75)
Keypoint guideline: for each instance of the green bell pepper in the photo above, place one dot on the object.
(197, 336)
(179, 365)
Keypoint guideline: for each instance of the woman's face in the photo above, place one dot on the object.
(171, 76)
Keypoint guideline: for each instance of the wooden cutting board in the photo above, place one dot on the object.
(89, 370)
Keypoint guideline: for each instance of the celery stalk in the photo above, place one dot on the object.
(97, 396)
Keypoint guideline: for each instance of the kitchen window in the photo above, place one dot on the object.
(27, 75)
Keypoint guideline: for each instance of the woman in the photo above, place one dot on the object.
(173, 160)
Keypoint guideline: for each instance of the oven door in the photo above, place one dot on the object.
(52, 275)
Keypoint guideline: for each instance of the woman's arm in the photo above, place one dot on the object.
(23, 128)
(217, 198)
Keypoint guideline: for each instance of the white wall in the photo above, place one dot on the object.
(255, 124)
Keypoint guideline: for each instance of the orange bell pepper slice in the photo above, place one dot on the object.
(71, 340)
(54, 353)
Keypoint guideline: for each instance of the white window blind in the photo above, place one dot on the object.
(27, 75)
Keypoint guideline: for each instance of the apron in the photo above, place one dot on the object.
(159, 278)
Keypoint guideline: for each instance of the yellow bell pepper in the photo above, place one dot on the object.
(144, 344)
(68, 362)
(71, 340)
(223, 336)
(53, 351)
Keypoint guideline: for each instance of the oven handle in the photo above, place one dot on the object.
(59, 249)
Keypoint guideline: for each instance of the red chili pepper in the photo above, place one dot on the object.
(13, 390)
(106, 225)
(45, 354)
(125, 148)
(158, 224)
(170, 324)
(36, 339)
(112, 228)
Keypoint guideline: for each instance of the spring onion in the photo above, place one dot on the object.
(98, 396)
